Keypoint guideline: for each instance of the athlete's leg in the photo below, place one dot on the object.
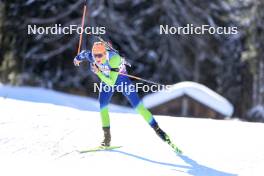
(104, 99)
(134, 100)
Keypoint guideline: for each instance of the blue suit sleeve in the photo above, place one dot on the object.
(85, 55)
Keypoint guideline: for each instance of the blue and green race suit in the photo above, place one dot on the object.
(112, 79)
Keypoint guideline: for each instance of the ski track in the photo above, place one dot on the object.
(42, 139)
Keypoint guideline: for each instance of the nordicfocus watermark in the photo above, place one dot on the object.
(58, 29)
(128, 88)
(191, 29)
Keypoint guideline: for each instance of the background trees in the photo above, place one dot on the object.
(232, 65)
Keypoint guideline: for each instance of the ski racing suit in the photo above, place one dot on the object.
(112, 79)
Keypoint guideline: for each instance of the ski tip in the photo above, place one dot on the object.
(178, 152)
(176, 149)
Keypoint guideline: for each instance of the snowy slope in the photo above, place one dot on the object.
(41, 139)
(42, 95)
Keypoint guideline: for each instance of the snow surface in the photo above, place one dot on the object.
(42, 95)
(41, 139)
(197, 91)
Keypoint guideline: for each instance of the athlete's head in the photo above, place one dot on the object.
(99, 52)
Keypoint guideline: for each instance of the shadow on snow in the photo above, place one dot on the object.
(194, 168)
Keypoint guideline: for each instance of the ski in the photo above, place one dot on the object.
(99, 148)
(176, 149)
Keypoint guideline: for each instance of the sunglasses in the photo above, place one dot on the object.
(98, 55)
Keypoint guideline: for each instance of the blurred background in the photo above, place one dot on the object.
(230, 65)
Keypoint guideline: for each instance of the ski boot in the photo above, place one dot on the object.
(107, 137)
(166, 138)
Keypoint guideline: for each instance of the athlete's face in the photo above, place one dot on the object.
(99, 57)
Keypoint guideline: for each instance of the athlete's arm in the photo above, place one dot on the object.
(83, 56)
(114, 62)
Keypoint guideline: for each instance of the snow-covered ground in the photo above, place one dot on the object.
(41, 95)
(40, 138)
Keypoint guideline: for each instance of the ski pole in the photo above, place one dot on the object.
(81, 35)
(130, 76)
(102, 40)
(140, 79)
